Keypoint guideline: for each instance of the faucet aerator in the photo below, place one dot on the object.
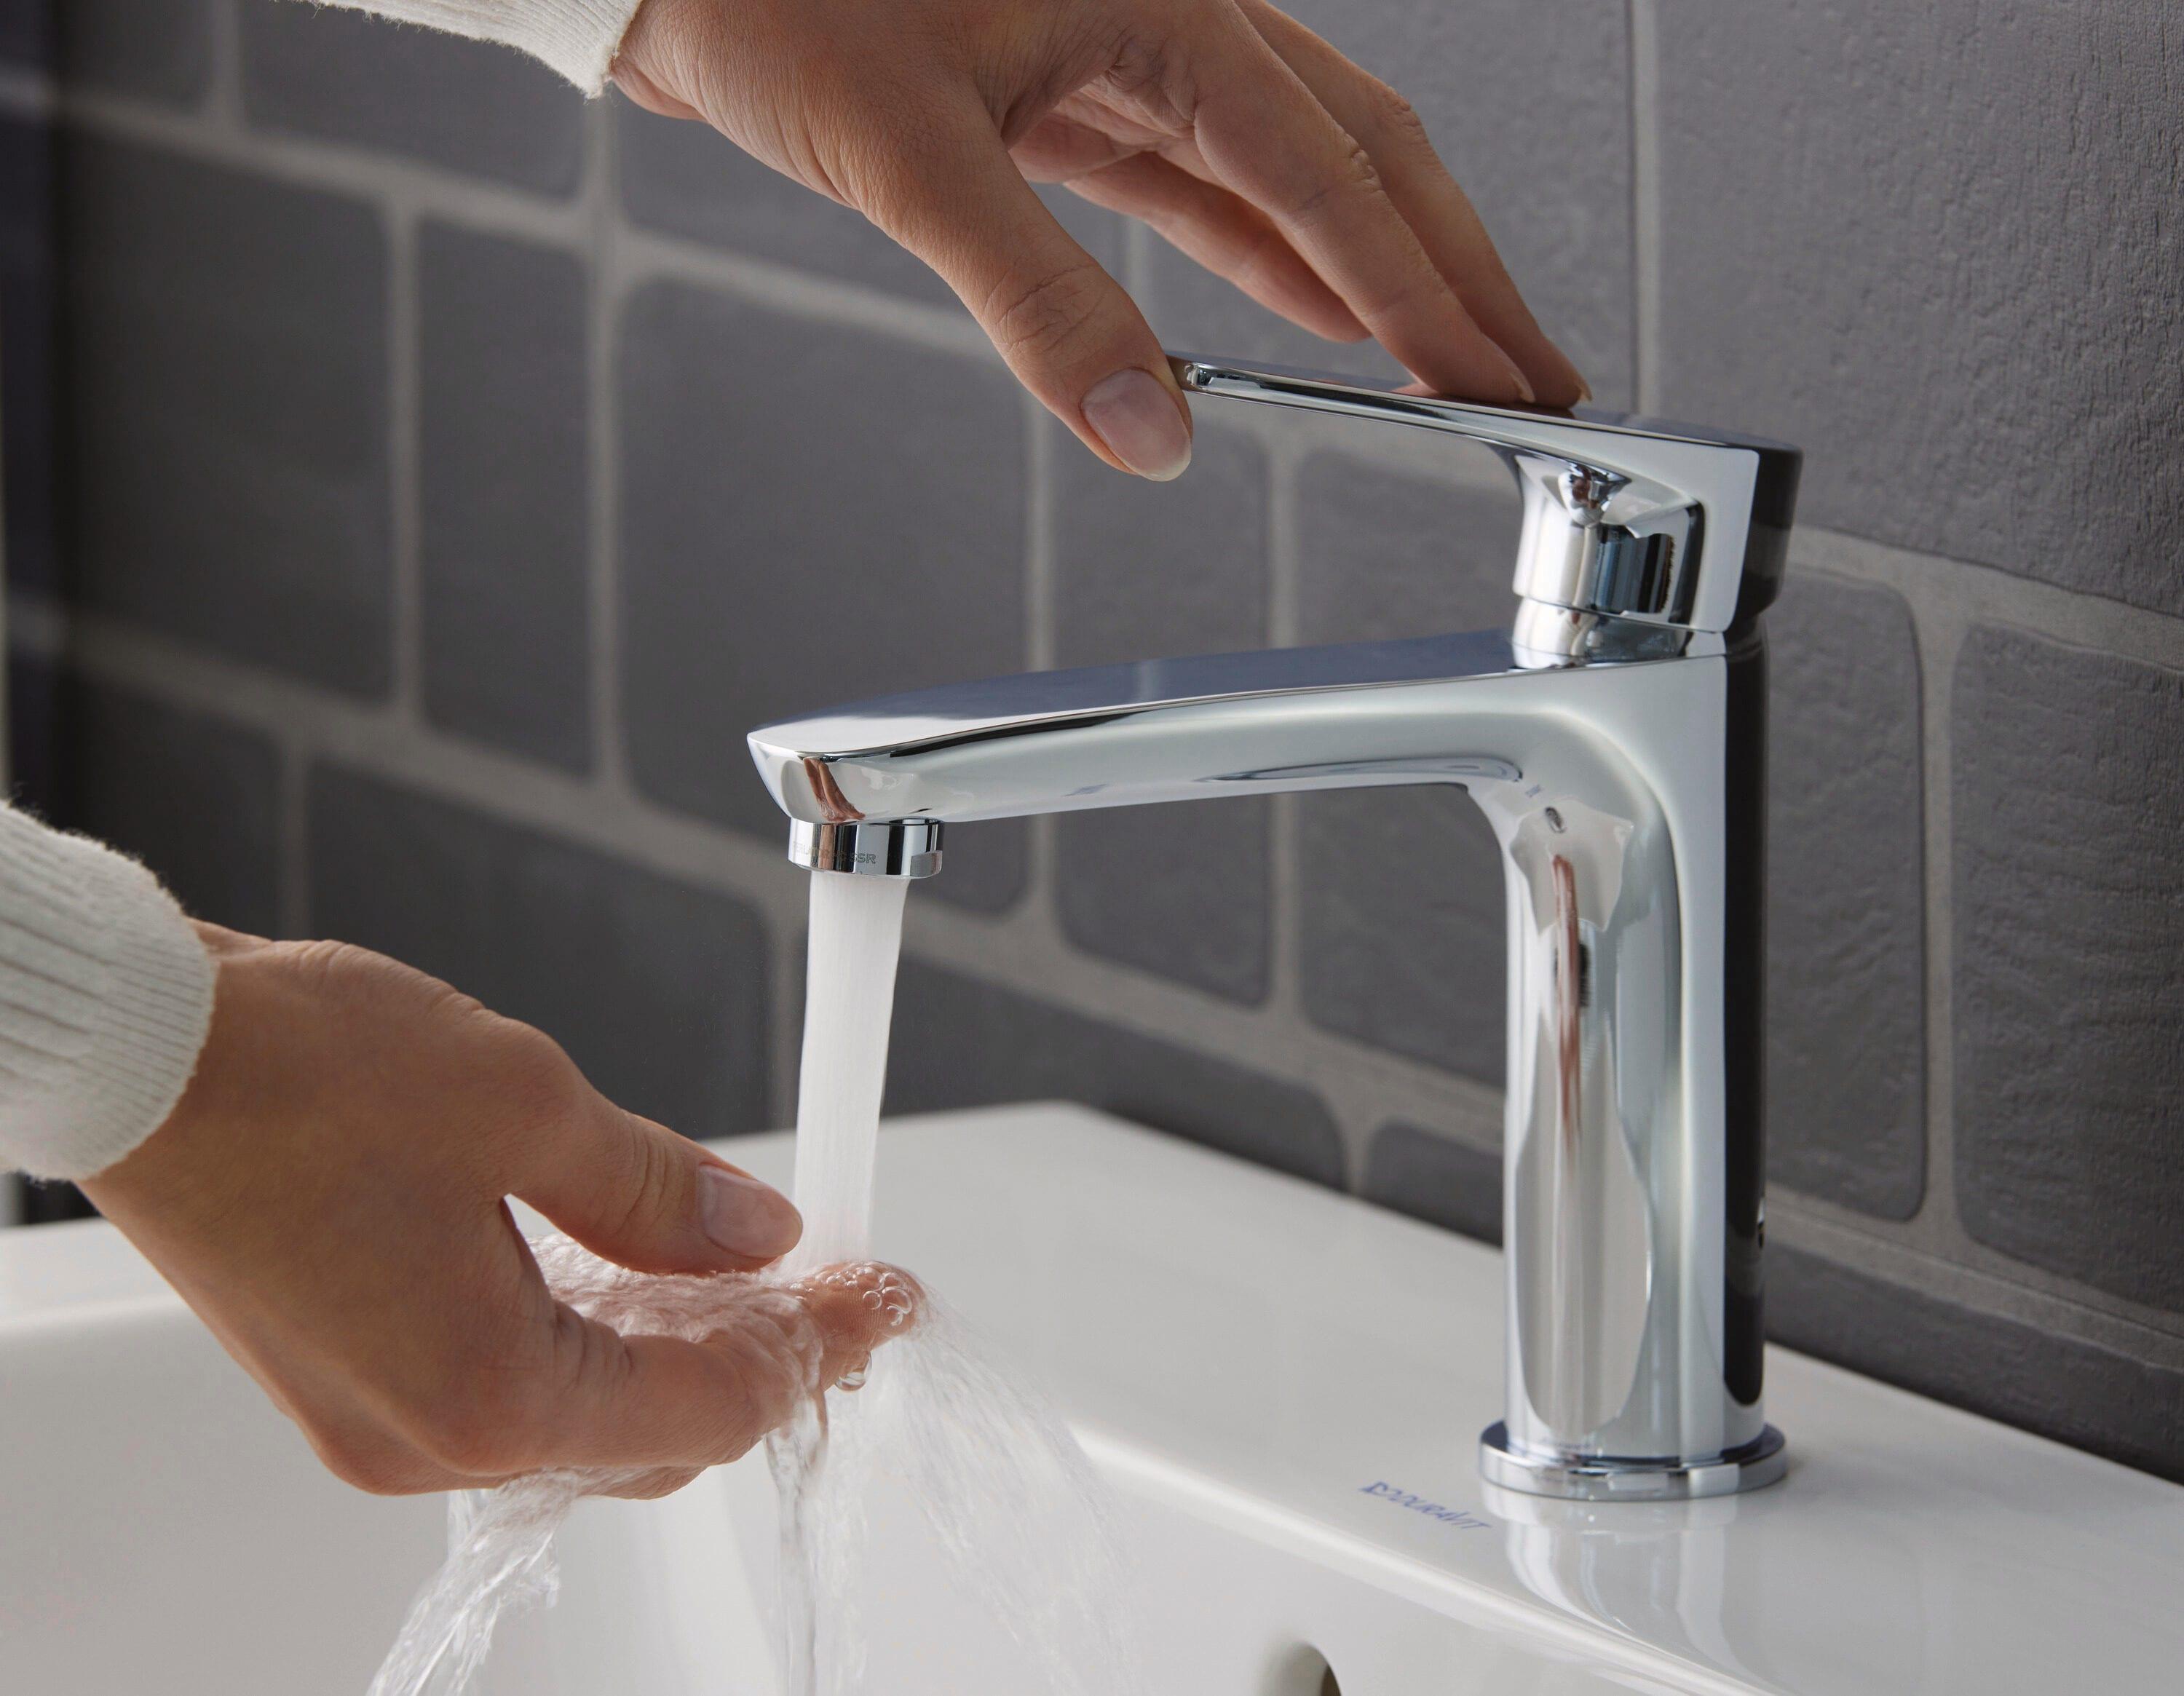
(892, 848)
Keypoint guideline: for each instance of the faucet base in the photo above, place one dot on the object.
(1597, 1478)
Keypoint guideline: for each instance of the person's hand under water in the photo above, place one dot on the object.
(328, 1195)
(1227, 126)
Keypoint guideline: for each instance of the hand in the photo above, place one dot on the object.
(328, 1195)
(1232, 130)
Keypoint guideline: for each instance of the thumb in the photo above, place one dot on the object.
(1068, 330)
(646, 1199)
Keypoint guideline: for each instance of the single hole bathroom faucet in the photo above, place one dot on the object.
(1615, 736)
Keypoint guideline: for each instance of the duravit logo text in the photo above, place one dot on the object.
(1418, 1505)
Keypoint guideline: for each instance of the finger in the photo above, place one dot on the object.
(651, 1485)
(1226, 234)
(1264, 134)
(1068, 330)
(659, 1402)
(857, 1306)
(1429, 199)
(644, 1198)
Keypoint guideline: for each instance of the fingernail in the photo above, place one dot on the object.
(1525, 392)
(746, 1217)
(1584, 390)
(1136, 416)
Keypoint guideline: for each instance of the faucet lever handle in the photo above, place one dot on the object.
(1627, 516)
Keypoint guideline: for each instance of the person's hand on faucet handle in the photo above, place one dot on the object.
(328, 1195)
(1230, 129)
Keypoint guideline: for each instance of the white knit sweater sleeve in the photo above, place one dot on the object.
(576, 37)
(105, 998)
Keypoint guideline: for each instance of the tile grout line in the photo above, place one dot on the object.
(293, 851)
(2144, 1334)
(331, 167)
(1988, 594)
(1854, 1239)
(1284, 988)
(1939, 630)
(804, 294)
(1645, 273)
(1042, 589)
(224, 98)
(603, 303)
(404, 378)
(1936, 631)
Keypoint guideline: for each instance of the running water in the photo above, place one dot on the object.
(1017, 1513)
(821, 1465)
(1010, 1497)
(848, 1005)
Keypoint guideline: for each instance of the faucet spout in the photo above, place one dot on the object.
(1165, 730)
(1619, 753)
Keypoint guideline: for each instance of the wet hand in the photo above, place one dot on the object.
(1228, 127)
(329, 1195)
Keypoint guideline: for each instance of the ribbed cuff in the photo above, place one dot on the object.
(578, 38)
(106, 995)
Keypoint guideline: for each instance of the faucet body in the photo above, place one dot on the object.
(1616, 743)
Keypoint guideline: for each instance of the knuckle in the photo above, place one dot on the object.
(1038, 319)
(324, 963)
(1396, 119)
(656, 1184)
(376, 1468)
(1353, 177)
(481, 1421)
(488, 1436)
(532, 1073)
(743, 1418)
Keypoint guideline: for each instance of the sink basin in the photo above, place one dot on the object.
(1284, 1386)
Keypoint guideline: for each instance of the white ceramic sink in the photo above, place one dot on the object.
(1286, 1386)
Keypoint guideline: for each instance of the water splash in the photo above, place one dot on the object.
(500, 1541)
(1020, 1521)
(1017, 1513)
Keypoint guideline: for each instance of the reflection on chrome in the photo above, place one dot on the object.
(1615, 738)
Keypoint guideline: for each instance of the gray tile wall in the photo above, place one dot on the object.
(431, 478)
(503, 492)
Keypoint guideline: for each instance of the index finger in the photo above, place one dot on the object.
(1260, 130)
(1430, 200)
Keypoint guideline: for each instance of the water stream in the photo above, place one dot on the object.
(1016, 1513)
(855, 940)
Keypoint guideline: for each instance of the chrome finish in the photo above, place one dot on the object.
(902, 848)
(1619, 758)
(1759, 1463)
(1633, 517)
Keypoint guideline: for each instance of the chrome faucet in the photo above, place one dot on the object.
(1615, 736)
